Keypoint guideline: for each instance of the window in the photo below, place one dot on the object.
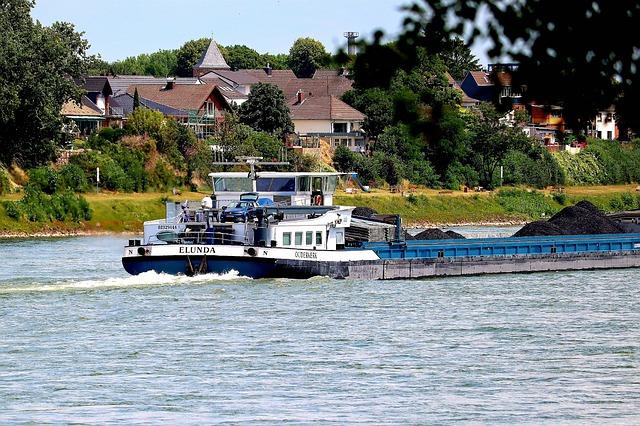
(298, 238)
(340, 237)
(339, 127)
(309, 238)
(276, 184)
(318, 238)
(609, 135)
(286, 239)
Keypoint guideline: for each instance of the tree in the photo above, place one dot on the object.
(306, 56)
(136, 99)
(458, 58)
(144, 121)
(491, 139)
(277, 62)
(189, 54)
(567, 55)
(376, 105)
(266, 110)
(240, 57)
(37, 68)
(162, 63)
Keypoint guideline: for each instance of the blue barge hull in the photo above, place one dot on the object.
(433, 249)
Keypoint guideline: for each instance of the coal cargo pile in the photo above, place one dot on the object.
(432, 234)
(364, 212)
(454, 235)
(581, 219)
(539, 228)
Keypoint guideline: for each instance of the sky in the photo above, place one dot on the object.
(117, 29)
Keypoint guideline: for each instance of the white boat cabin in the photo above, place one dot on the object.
(284, 188)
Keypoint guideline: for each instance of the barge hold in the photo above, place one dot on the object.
(288, 227)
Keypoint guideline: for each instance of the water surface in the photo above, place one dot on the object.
(82, 342)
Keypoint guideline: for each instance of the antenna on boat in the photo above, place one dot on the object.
(252, 162)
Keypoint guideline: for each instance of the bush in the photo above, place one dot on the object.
(44, 178)
(72, 177)
(536, 168)
(37, 206)
(12, 209)
(560, 198)
(458, 175)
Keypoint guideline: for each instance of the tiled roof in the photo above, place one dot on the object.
(183, 97)
(125, 101)
(98, 84)
(481, 78)
(212, 58)
(85, 108)
(121, 83)
(323, 108)
(237, 77)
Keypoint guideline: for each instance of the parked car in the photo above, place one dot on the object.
(245, 209)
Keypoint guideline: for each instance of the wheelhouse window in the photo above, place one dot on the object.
(286, 239)
(309, 238)
(318, 238)
(276, 184)
(298, 238)
(229, 184)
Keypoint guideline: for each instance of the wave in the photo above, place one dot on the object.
(145, 279)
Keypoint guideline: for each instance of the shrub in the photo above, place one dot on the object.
(44, 178)
(560, 198)
(5, 187)
(12, 209)
(72, 177)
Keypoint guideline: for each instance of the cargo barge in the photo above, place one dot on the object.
(288, 227)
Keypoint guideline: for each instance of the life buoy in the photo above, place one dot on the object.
(317, 200)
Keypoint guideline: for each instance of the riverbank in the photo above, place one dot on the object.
(117, 213)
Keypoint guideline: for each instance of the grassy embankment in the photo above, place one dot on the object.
(126, 212)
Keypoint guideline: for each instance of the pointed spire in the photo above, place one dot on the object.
(212, 59)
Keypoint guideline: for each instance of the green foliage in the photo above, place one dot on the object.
(458, 58)
(189, 54)
(376, 105)
(240, 57)
(32, 92)
(277, 62)
(306, 56)
(111, 134)
(266, 110)
(536, 168)
(560, 65)
(491, 140)
(145, 121)
(36, 206)
(162, 63)
(458, 175)
(71, 177)
(533, 204)
(601, 163)
(560, 198)
(43, 178)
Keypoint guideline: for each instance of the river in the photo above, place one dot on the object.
(82, 342)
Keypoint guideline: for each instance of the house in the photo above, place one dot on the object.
(604, 125)
(198, 106)
(466, 101)
(494, 85)
(328, 118)
(83, 118)
(98, 91)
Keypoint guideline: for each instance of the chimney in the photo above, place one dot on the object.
(268, 69)
(171, 81)
(300, 95)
